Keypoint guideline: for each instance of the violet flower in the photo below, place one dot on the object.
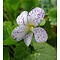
(27, 26)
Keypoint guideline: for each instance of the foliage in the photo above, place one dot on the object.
(43, 52)
(53, 16)
(21, 51)
(36, 51)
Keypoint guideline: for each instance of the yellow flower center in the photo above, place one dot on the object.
(30, 27)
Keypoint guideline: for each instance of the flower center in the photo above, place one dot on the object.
(30, 27)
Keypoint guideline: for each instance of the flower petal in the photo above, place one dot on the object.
(22, 18)
(27, 39)
(36, 15)
(40, 35)
(19, 32)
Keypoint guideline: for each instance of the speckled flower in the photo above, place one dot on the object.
(27, 26)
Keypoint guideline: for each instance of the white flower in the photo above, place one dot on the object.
(28, 23)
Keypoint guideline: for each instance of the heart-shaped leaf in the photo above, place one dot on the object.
(43, 52)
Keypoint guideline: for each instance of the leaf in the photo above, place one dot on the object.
(53, 16)
(6, 29)
(21, 51)
(43, 52)
(53, 21)
(28, 4)
(9, 41)
(42, 23)
(53, 12)
(33, 57)
(6, 54)
(14, 4)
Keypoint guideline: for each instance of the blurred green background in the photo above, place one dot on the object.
(36, 51)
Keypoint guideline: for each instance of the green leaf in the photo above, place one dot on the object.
(43, 22)
(53, 21)
(8, 26)
(6, 29)
(43, 52)
(35, 56)
(14, 4)
(53, 12)
(28, 4)
(21, 51)
(6, 54)
(9, 41)
(53, 16)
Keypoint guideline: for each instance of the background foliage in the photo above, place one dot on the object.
(36, 51)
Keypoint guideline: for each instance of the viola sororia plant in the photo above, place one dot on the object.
(29, 30)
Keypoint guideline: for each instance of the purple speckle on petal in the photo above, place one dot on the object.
(41, 35)
(15, 38)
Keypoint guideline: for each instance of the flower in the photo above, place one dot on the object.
(27, 26)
